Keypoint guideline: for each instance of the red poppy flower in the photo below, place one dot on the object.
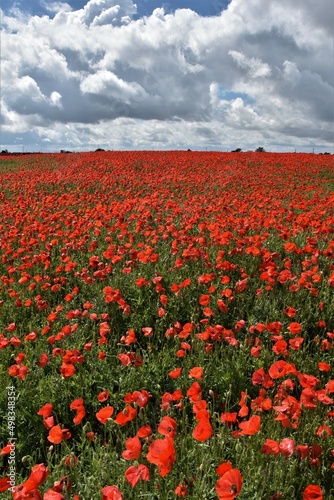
(222, 306)
(324, 431)
(203, 430)
(111, 493)
(104, 329)
(312, 492)
(290, 311)
(134, 474)
(49, 422)
(104, 414)
(15, 341)
(286, 447)
(133, 449)
(103, 396)
(167, 427)
(196, 372)
(162, 453)
(19, 371)
(296, 343)
(46, 410)
(125, 359)
(194, 392)
(161, 312)
(279, 347)
(302, 450)
(144, 431)
(4, 484)
(77, 404)
(67, 370)
(126, 415)
(251, 426)
(223, 467)
(57, 434)
(295, 328)
(181, 490)
(207, 311)
(255, 351)
(141, 398)
(259, 377)
(229, 485)
(270, 447)
(229, 418)
(6, 449)
(290, 246)
(141, 282)
(91, 436)
(147, 331)
(204, 300)
(175, 373)
(324, 367)
(281, 368)
(38, 475)
(180, 353)
(43, 360)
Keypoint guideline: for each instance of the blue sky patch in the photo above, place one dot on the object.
(229, 95)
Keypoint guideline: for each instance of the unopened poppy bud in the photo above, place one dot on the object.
(238, 447)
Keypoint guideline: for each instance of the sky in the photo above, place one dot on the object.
(198, 74)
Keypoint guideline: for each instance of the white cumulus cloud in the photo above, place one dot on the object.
(259, 71)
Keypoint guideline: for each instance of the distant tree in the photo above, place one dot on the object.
(98, 149)
(238, 150)
(4, 152)
(260, 149)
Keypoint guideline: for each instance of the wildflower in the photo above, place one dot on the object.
(181, 490)
(111, 493)
(229, 484)
(133, 449)
(104, 414)
(134, 474)
(312, 492)
(162, 453)
(57, 434)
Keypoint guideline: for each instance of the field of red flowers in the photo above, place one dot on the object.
(167, 326)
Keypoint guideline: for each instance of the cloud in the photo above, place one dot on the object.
(55, 7)
(107, 85)
(55, 99)
(104, 12)
(258, 72)
(253, 66)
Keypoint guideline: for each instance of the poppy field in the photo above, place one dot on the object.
(167, 326)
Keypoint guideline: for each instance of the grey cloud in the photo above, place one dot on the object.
(310, 88)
